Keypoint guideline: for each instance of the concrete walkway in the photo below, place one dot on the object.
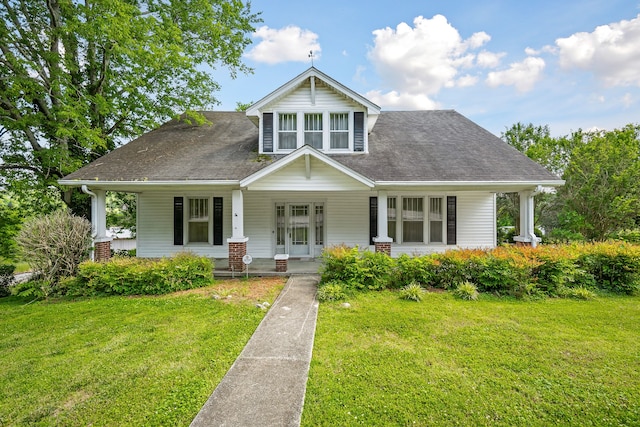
(266, 384)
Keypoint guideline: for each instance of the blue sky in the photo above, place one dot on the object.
(567, 64)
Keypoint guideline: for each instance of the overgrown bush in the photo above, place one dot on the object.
(360, 270)
(412, 291)
(6, 279)
(138, 276)
(332, 291)
(524, 272)
(418, 269)
(55, 244)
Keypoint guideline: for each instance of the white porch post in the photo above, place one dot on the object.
(527, 234)
(382, 241)
(100, 212)
(237, 209)
(237, 242)
(102, 243)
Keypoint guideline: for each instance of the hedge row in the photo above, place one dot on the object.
(138, 276)
(510, 270)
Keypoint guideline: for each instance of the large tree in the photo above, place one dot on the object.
(602, 190)
(78, 77)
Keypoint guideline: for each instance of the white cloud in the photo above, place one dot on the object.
(523, 75)
(627, 100)
(425, 57)
(611, 52)
(417, 62)
(407, 101)
(286, 44)
(489, 59)
(466, 81)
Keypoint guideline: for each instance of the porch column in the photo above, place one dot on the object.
(382, 242)
(527, 235)
(237, 242)
(101, 242)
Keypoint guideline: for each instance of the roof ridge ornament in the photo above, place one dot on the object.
(311, 55)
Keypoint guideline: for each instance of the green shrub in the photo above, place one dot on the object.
(503, 270)
(6, 279)
(615, 267)
(576, 293)
(36, 289)
(455, 267)
(466, 291)
(418, 269)
(412, 291)
(137, 276)
(630, 236)
(359, 270)
(331, 291)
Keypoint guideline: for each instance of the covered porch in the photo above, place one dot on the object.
(265, 267)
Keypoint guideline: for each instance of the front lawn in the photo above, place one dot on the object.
(507, 362)
(123, 360)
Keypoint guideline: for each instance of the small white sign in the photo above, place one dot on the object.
(247, 259)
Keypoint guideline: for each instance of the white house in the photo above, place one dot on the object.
(310, 165)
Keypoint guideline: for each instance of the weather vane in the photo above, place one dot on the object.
(311, 56)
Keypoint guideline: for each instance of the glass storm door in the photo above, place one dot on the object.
(299, 224)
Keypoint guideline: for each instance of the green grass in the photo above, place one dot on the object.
(21, 266)
(494, 362)
(117, 360)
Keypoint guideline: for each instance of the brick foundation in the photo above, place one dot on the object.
(102, 251)
(384, 247)
(523, 243)
(236, 251)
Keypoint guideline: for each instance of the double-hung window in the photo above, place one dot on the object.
(392, 217)
(339, 131)
(198, 220)
(412, 220)
(436, 220)
(287, 131)
(313, 130)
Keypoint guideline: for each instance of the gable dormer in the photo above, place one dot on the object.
(314, 109)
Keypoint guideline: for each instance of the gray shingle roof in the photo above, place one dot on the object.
(403, 146)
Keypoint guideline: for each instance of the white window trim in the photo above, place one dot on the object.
(426, 219)
(209, 221)
(350, 131)
(326, 131)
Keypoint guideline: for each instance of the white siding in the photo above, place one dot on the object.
(476, 220)
(326, 99)
(322, 177)
(475, 223)
(346, 221)
(346, 214)
(155, 225)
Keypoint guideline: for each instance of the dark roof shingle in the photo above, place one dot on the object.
(434, 145)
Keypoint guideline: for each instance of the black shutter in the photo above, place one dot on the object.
(373, 219)
(267, 132)
(178, 221)
(358, 131)
(217, 220)
(451, 220)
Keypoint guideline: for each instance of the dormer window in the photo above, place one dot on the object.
(287, 131)
(339, 131)
(313, 130)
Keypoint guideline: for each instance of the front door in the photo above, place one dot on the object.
(300, 229)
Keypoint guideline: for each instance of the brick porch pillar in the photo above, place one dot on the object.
(237, 249)
(102, 250)
(384, 247)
